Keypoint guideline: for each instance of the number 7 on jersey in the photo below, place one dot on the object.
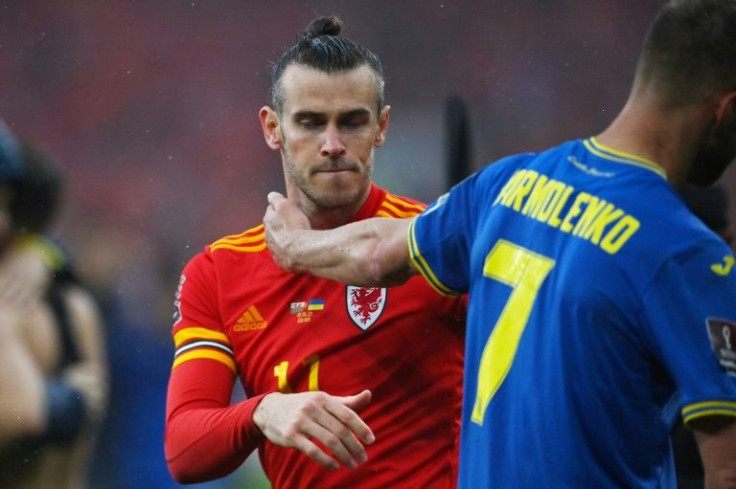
(523, 271)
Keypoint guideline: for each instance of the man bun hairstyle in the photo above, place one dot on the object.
(320, 47)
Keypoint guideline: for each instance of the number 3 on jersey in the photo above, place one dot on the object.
(523, 271)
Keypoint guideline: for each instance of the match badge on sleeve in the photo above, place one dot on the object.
(722, 334)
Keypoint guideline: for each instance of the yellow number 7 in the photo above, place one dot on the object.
(523, 271)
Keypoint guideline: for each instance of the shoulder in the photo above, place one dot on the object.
(228, 258)
(398, 206)
(249, 241)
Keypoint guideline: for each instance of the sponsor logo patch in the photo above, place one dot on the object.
(722, 334)
(304, 310)
(365, 304)
(724, 268)
(251, 320)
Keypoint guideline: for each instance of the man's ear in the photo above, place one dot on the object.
(271, 126)
(383, 118)
(726, 110)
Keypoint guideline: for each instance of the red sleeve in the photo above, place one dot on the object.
(205, 437)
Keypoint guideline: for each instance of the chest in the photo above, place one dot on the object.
(296, 332)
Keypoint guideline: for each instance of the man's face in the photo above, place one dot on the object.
(327, 133)
(715, 154)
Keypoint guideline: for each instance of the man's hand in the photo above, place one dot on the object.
(91, 381)
(24, 277)
(282, 217)
(293, 420)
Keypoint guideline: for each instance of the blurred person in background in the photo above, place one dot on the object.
(601, 309)
(347, 386)
(21, 382)
(60, 333)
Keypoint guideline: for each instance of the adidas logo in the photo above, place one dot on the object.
(251, 320)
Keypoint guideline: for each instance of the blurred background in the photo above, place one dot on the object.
(150, 107)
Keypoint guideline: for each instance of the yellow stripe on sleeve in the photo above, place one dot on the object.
(423, 266)
(187, 334)
(203, 353)
(710, 408)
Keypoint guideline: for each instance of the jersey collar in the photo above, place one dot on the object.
(609, 153)
(371, 204)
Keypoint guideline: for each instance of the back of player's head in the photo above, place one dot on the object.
(320, 47)
(690, 51)
(38, 194)
(11, 163)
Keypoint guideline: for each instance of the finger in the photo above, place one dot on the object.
(304, 445)
(358, 401)
(351, 419)
(337, 438)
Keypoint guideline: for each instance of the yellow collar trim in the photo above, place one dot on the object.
(608, 153)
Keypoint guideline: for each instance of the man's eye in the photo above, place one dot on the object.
(308, 123)
(353, 123)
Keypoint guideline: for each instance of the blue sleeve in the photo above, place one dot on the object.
(440, 237)
(691, 310)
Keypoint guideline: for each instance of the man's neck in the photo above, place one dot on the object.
(668, 138)
(328, 218)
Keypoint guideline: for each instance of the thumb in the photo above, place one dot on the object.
(274, 197)
(358, 401)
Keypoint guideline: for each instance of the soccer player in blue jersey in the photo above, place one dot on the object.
(601, 309)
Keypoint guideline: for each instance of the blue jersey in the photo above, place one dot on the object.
(600, 310)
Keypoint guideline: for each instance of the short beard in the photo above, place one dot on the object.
(330, 198)
(714, 155)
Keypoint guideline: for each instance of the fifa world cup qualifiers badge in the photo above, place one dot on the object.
(722, 335)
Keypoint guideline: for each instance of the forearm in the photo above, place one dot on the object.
(716, 438)
(372, 252)
(206, 438)
(203, 442)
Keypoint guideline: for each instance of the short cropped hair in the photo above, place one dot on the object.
(321, 48)
(690, 51)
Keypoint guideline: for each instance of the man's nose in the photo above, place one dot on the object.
(333, 145)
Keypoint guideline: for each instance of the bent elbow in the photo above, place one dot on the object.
(183, 474)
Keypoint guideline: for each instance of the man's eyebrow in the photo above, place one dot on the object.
(355, 113)
(307, 114)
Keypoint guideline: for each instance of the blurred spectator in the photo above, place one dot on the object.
(59, 332)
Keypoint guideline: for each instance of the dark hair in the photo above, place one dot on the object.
(690, 50)
(321, 48)
(38, 193)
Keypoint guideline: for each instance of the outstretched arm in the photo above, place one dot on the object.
(372, 252)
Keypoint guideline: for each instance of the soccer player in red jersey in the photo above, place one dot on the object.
(347, 386)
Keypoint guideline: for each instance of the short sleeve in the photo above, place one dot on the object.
(691, 311)
(439, 240)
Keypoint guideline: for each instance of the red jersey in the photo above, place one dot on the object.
(239, 314)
